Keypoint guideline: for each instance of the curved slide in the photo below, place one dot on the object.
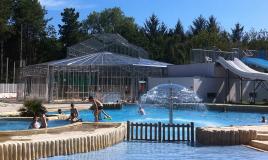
(242, 70)
(256, 62)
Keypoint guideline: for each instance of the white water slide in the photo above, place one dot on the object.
(242, 70)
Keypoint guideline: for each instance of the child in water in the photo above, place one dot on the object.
(263, 119)
(141, 111)
(35, 124)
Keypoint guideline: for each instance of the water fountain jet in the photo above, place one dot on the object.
(169, 94)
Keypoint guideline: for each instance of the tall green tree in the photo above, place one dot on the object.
(156, 33)
(237, 33)
(50, 48)
(212, 24)
(5, 15)
(29, 24)
(151, 27)
(179, 30)
(70, 30)
(199, 24)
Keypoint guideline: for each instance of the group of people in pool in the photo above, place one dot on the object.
(97, 110)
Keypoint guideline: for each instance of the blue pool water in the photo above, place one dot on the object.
(153, 151)
(24, 124)
(200, 118)
(167, 151)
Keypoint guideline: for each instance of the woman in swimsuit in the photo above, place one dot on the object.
(74, 114)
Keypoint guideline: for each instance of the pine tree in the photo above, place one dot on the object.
(70, 30)
(237, 32)
(199, 24)
(212, 25)
(5, 15)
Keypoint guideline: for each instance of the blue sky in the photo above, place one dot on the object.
(250, 13)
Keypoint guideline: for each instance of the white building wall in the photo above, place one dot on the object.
(204, 85)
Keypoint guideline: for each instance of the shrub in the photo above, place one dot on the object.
(32, 108)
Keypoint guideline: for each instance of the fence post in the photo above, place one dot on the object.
(159, 131)
(128, 130)
(192, 132)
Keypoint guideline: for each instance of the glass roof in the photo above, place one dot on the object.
(106, 58)
(106, 42)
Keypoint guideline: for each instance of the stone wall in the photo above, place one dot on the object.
(224, 136)
(62, 146)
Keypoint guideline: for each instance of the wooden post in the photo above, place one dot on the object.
(169, 132)
(141, 132)
(136, 131)
(183, 133)
(132, 131)
(173, 132)
(151, 133)
(192, 132)
(178, 132)
(155, 131)
(146, 130)
(188, 132)
(128, 130)
(159, 131)
(164, 132)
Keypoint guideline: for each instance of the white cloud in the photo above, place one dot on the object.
(60, 4)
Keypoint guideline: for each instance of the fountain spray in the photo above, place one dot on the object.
(170, 105)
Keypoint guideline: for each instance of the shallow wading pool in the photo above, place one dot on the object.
(167, 151)
(24, 124)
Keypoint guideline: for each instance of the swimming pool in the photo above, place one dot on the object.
(200, 118)
(167, 151)
(24, 124)
(148, 150)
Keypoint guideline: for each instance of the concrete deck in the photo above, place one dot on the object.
(64, 140)
(255, 136)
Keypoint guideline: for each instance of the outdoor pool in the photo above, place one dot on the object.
(157, 114)
(153, 114)
(24, 124)
(149, 150)
(167, 151)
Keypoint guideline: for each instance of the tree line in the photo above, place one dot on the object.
(27, 38)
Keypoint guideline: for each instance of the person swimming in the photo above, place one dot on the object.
(141, 111)
(263, 119)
